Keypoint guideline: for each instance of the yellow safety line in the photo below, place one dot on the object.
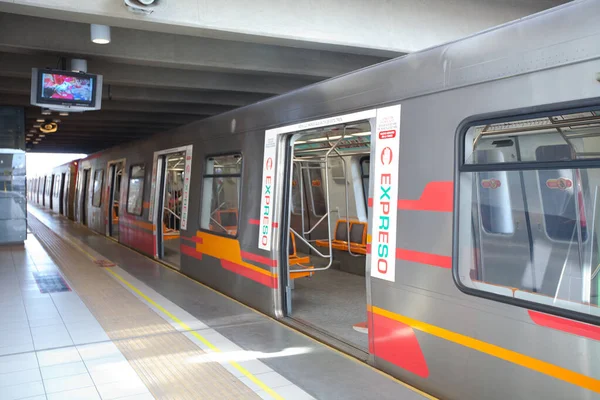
(211, 346)
(543, 367)
(280, 323)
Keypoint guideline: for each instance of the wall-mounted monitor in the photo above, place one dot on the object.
(66, 90)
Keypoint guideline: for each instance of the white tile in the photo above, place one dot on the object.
(47, 337)
(58, 356)
(18, 362)
(98, 350)
(85, 337)
(246, 381)
(40, 314)
(273, 379)
(21, 348)
(253, 366)
(116, 362)
(114, 372)
(293, 393)
(115, 390)
(15, 337)
(65, 383)
(145, 396)
(62, 370)
(89, 393)
(37, 323)
(18, 377)
(22, 391)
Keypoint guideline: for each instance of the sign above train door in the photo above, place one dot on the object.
(266, 216)
(385, 193)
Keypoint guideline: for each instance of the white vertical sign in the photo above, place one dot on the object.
(186, 187)
(267, 191)
(385, 193)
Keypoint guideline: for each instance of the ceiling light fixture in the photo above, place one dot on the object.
(100, 34)
(36, 125)
(39, 120)
(46, 112)
(63, 114)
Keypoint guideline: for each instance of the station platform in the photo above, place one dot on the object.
(83, 317)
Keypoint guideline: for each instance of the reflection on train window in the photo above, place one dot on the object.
(365, 165)
(221, 194)
(296, 192)
(135, 194)
(529, 230)
(317, 194)
(56, 184)
(98, 180)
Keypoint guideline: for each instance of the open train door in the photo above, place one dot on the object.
(169, 201)
(114, 190)
(316, 188)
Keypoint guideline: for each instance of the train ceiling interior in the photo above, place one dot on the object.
(153, 81)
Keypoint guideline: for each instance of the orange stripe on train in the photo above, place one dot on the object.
(514, 357)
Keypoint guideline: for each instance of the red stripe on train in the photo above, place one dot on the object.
(565, 325)
(424, 258)
(190, 251)
(193, 239)
(396, 343)
(250, 274)
(257, 222)
(436, 196)
(259, 259)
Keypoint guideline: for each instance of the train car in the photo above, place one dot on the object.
(56, 190)
(434, 215)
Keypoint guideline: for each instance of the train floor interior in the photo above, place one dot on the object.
(84, 317)
(332, 301)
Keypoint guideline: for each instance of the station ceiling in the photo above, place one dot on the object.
(153, 81)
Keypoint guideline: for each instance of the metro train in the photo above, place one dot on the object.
(434, 215)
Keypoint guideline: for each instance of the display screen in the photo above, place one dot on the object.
(59, 87)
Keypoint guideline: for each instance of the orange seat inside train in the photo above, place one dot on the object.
(358, 237)
(297, 261)
(228, 219)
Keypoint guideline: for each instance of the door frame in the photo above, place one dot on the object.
(157, 192)
(276, 143)
(61, 194)
(109, 194)
(85, 188)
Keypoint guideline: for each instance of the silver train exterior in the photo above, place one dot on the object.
(454, 304)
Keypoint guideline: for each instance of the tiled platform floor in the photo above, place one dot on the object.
(51, 346)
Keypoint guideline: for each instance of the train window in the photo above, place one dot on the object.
(98, 181)
(527, 215)
(135, 191)
(365, 165)
(221, 194)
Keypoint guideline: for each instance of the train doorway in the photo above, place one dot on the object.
(169, 205)
(115, 179)
(85, 189)
(61, 194)
(327, 194)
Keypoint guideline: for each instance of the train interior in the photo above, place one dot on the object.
(328, 211)
(172, 172)
(547, 211)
